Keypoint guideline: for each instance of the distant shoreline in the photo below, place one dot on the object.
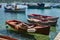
(33, 1)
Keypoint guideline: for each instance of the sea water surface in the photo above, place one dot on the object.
(23, 17)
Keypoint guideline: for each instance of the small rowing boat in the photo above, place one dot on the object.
(49, 20)
(24, 27)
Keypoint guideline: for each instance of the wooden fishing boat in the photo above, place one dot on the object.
(42, 22)
(6, 38)
(43, 19)
(15, 8)
(42, 16)
(24, 27)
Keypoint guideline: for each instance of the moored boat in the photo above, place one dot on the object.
(55, 6)
(21, 26)
(15, 8)
(37, 6)
(43, 19)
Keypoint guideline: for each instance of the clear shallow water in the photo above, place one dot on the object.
(23, 17)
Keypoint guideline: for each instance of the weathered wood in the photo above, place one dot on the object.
(57, 37)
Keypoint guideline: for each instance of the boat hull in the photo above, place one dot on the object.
(47, 20)
(10, 10)
(39, 29)
(38, 7)
(44, 23)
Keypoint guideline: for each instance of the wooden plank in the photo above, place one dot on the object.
(57, 37)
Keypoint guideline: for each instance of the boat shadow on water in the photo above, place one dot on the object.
(17, 35)
(25, 35)
(14, 11)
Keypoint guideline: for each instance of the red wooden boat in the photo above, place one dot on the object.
(43, 22)
(6, 38)
(15, 24)
(44, 29)
(43, 19)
